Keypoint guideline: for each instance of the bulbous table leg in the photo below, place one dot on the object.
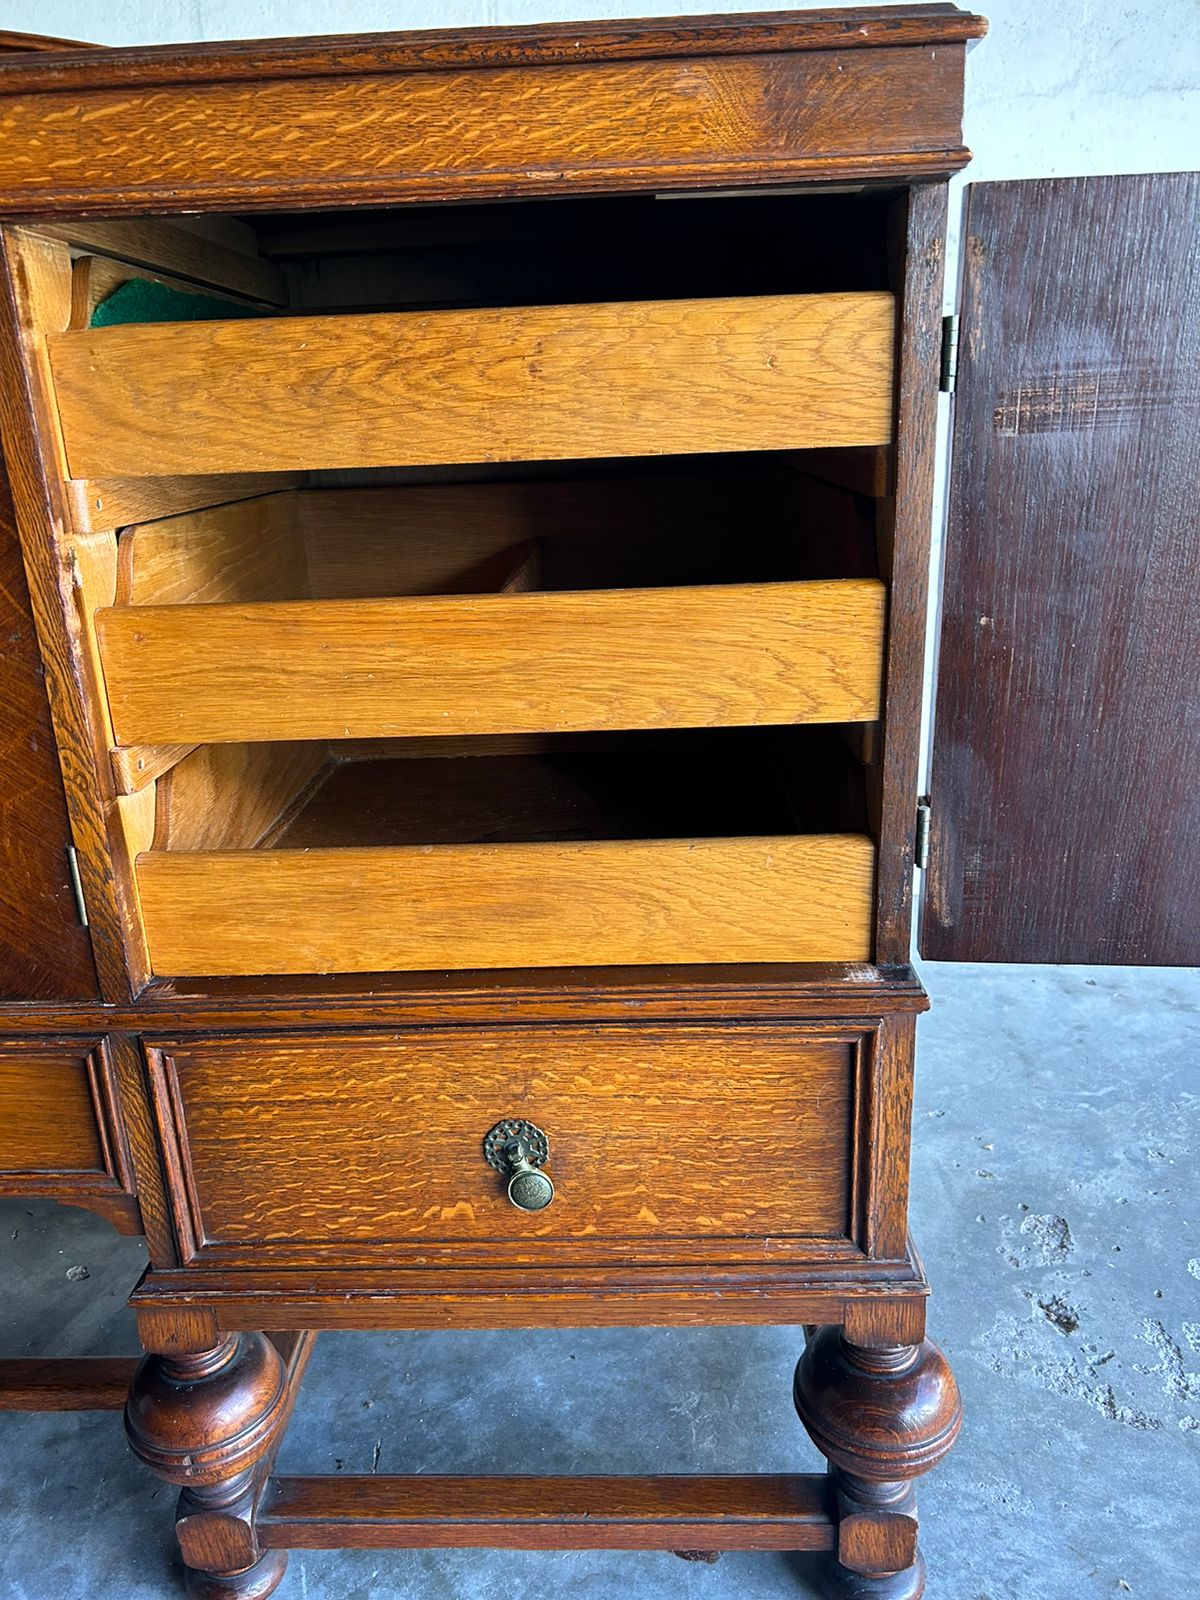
(204, 1422)
(881, 1417)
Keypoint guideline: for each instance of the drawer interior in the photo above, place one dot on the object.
(506, 575)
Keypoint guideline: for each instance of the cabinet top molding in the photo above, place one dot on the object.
(484, 114)
(51, 69)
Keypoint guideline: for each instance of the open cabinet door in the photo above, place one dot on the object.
(1065, 779)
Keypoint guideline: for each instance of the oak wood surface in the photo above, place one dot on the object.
(760, 1512)
(232, 797)
(551, 662)
(98, 505)
(48, 1121)
(390, 389)
(161, 246)
(35, 294)
(184, 1307)
(789, 898)
(370, 1150)
(589, 994)
(62, 1127)
(62, 1383)
(623, 39)
(439, 124)
(248, 550)
(45, 953)
(1066, 813)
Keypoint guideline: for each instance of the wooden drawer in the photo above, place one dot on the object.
(677, 1144)
(405, 389)
(425, 908)
(702, 846)
(708, 656)
(60, 1129)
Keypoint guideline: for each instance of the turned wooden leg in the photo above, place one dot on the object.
(882, 1417)
(206, 1422)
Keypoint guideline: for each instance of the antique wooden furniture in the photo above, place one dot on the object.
(475, 492)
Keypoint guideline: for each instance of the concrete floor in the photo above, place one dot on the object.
(1055, 1198)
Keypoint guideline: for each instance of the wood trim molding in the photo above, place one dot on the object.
(460, 49)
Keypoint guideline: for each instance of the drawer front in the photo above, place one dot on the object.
(432, 666)
(390, 389)
(594, 903)
(677, 1144)
(60, 1129)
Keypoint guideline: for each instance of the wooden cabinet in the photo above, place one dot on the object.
(480, 567)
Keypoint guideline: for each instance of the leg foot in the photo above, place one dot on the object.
(256, 1583)
(839, 1583)
(209, 1423)
(881, 1417)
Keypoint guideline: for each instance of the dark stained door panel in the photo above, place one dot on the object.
(1066, 762)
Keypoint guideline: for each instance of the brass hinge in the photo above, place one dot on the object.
(949, 376)
(924, 819)
(77, 885)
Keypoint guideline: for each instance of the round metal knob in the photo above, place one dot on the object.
(517, 1150)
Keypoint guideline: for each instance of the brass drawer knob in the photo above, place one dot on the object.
(518, 1151)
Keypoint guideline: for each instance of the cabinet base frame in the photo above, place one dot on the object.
(877, 1398)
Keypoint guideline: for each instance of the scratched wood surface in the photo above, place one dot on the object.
(363, 1146)
(411, 388)
(1066, 812)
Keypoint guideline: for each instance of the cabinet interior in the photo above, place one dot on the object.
(632, 522)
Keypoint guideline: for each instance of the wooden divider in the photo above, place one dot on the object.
(708, 656)
(533, 383)
(246, 913)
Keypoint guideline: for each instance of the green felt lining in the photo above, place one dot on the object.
(142, 300)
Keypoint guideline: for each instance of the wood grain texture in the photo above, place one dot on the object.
(62, 1135)
(159, 246)
(763, 990)
(408, 129)
(183, 1307)
(1066, 813)
(623, 39)
(98, 505)
(805, 898)
(704, 657)
(405, 388)
(232, 797)
(60, 1383)
(762, 1512)
(369, 1150)
(35, 301)
(45, 953)
(49, 1119)
(248, 550)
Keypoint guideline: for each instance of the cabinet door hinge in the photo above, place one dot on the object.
(77, 884)
(949, 353)
(921, 847)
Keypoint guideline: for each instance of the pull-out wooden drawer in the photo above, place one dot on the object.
(666, 1144)
(61, 1134)
(709, 656)
(686, 847)
(528, 383)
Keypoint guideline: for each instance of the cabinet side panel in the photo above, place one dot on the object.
(45, 953)
(1066, 812)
